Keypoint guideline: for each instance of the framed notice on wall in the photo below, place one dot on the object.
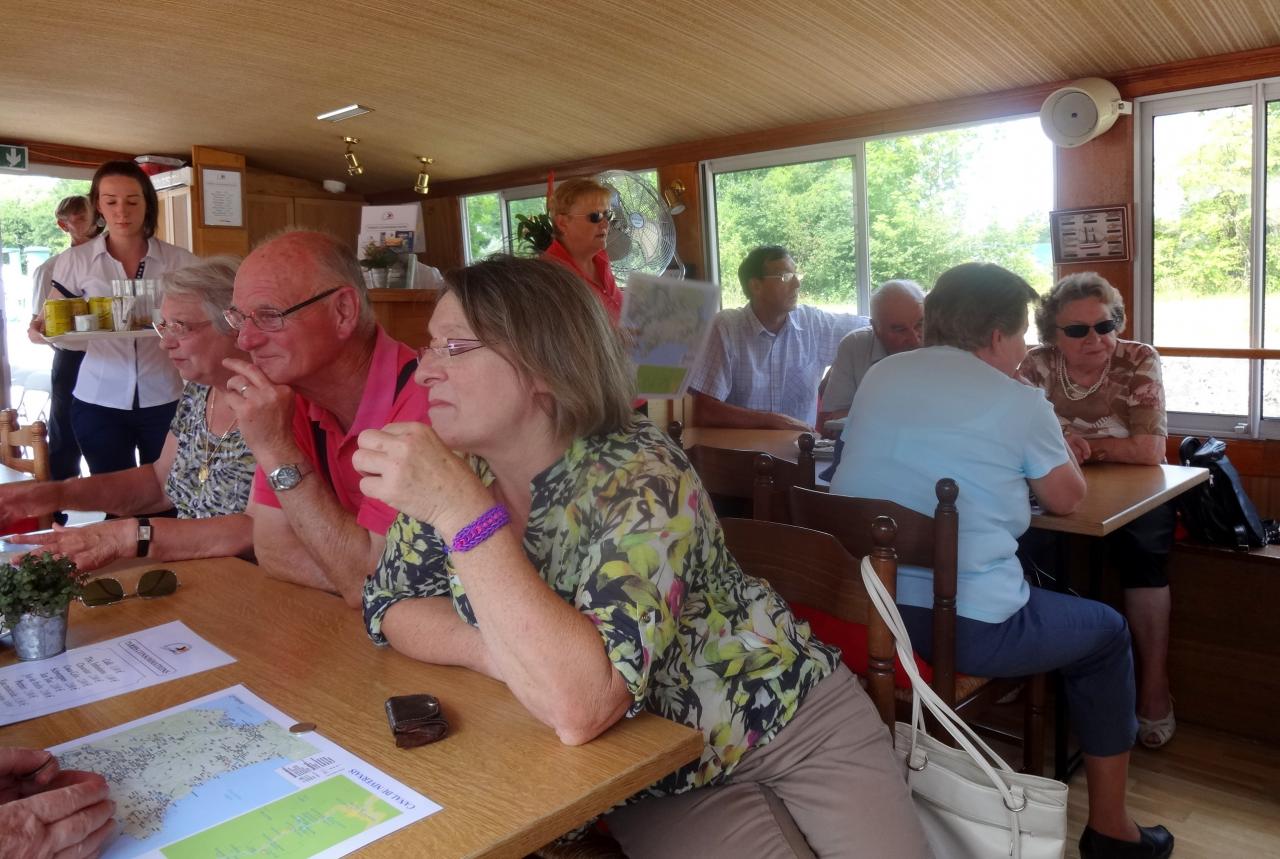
(1090, 235)
(222, 196)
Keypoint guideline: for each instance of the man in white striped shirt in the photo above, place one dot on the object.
(763, 362)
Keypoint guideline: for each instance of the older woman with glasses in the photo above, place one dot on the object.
(204, 471)
(579, 211)
(574, 556)
(1109, 398)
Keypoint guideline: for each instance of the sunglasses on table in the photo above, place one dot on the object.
(154, 583)
(1079, 330)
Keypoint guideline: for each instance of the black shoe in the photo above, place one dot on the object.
(1154, 842)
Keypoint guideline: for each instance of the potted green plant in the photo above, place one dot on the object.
(34, 595)
(377, 260)
(535, 232)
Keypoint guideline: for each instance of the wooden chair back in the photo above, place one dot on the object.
(920, 540)
(14, 439)
(752, 475)
(814, 569)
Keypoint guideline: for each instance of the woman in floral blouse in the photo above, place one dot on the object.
(610, 590)
(1109, 398)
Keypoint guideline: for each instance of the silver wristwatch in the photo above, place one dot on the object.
(286, 477)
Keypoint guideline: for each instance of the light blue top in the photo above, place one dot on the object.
(744, 364)
(942, 412)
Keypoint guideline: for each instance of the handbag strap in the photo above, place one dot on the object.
(923, 695)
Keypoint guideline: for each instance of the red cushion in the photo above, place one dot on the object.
(851, 638)
(20, 526)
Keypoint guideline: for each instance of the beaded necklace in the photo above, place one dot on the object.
(1070, 389)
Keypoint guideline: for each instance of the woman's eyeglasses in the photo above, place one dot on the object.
(154, 583)
(450, 349)
(178, 330)
(268, 318)
(593, 217)
(1079, 330)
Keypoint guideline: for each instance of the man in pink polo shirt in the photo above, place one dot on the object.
(322, 371)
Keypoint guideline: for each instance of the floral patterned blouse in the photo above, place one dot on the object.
(227, 462)
(621, 528)
(1129, 402)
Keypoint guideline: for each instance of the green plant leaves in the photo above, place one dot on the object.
(39, 584)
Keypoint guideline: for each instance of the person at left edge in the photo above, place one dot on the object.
(128, 390)
(322, 370)
(79, 221)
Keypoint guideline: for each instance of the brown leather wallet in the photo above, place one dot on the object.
(415, 720)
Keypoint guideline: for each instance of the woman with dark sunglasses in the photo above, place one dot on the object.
(579, 211)
(1109, 399)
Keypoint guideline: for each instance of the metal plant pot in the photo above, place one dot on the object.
(37, 636)
(378, 276)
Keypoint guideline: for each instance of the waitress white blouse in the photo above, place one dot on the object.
(112, 369)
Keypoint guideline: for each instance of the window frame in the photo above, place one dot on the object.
(1254, 94)
(855, 148)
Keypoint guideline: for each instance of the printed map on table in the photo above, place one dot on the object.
(667, 321)
(223, 776)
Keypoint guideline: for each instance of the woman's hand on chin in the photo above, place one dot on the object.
(406, 466)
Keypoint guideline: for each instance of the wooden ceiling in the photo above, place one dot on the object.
(488, 87)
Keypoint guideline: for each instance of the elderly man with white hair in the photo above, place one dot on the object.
(897, 325)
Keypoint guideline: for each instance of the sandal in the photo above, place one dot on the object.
(1154, 733)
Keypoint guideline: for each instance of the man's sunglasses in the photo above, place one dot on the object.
(1079, 330)
(154, 583)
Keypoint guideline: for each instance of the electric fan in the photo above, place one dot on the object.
(642, 237)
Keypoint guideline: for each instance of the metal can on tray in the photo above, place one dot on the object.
(101, 305)
(57, 316)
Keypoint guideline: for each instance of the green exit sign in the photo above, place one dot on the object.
(13, 157)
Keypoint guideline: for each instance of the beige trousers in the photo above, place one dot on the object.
(827, 785)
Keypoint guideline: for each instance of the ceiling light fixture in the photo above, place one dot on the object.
(344, 113)
(673, 195)
(423, 179)
(353, 163)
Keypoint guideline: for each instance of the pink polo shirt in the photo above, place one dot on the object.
(379, 405)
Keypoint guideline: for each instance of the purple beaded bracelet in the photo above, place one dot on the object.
(484, 527)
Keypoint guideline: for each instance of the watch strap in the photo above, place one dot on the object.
(144, 536)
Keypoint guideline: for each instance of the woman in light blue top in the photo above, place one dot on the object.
(955, 409)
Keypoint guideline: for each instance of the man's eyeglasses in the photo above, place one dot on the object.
(786, 278)
(1079, 330)
(268, 318)
(593, 217)
(154, 583)
(178, 330)
(450, 349)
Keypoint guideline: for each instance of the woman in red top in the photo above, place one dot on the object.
(579, 210)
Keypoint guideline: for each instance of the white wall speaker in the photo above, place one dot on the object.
(1081, 111)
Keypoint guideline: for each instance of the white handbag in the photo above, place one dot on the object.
(968, 806)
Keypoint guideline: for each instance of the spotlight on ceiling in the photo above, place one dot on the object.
(344, 113)
(421, 185)
(353, 163)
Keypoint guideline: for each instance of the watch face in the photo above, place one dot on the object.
(285, 477)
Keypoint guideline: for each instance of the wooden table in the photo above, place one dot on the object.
(780, 444)
(506, 783)
(1118, 494)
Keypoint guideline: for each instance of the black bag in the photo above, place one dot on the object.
(1219, 511)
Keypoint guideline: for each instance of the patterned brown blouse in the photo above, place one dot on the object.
(1129, 402)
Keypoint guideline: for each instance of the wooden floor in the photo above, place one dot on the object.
(1218, 794)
